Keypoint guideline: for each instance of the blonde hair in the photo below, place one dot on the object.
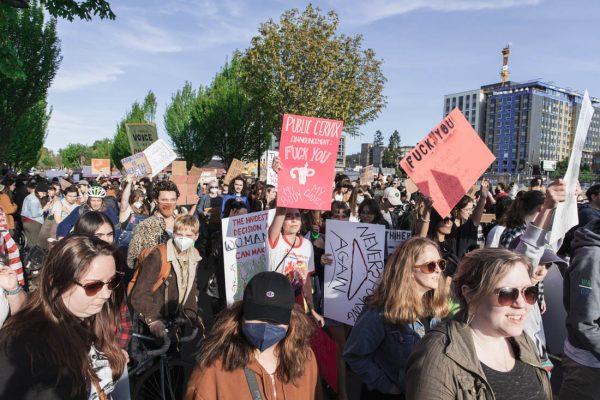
(480, 271)
(396, 292)
(187, 221)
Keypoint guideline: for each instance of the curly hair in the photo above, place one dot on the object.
(164, 186)
(226, 343)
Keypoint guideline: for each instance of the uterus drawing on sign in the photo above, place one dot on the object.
(302, 173)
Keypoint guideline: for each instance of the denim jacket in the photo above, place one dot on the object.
(377, 351)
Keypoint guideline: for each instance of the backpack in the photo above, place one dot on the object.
(165, 268)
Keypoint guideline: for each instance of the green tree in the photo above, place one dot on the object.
(75, 155)
(183, 133)
(585, 171)
(101, 148)
(226, 122)
(11, 65)
(146, 112)
(391, 157)
(301, 65)
(48, 159)
(34, 44)
(378, 139)
(30, 132)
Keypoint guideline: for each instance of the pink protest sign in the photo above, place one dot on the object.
(448, 161)
(307, 150)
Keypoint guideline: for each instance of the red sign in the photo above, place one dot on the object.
(308, 151)
(448, 161)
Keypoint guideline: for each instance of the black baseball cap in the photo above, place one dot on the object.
(269, 297)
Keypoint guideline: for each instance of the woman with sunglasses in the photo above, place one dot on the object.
(62, 345)
(410, 299)
(483, 353)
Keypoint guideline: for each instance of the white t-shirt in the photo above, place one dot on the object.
(298, 264)
(493, 237)
(63, 207)
(101, 367)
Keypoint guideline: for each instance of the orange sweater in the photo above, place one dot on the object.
(216, 384)
(9, 209)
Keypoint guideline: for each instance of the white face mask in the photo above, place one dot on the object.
(138, 204)
(360, 199)
(183, 243)
(214, 190)
(339, 197)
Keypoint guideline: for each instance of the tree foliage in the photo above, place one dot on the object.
(101, 148)
(585, 171)
(23, 151)
(145, 112)
(35, 46)
(301, 65)
(75, 155)
(220, 120)
(378, 139)
(391, 157)
(178, 122)
(48, 159)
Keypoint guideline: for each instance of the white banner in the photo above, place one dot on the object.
(244, 250)
(159, 156)
(358, 260)
(565, 215)
(394, 238)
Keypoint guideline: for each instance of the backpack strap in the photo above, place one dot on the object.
(165, 267)
(252, 384)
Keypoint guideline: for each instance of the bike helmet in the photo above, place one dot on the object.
(97, 191)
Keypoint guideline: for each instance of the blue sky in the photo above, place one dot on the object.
(429, 48)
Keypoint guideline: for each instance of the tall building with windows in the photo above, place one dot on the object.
(524, 124)
(471, 103)
(371, 155)
(340, 162)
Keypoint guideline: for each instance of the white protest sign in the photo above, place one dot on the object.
(565, 215)
(358, 260)
(271, 175)
(394, 238)
(159, 156)
(244, 250)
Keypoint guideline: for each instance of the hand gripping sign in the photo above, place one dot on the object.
(308, 152)
(448, 161)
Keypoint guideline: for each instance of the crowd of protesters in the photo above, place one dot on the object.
(457, 313)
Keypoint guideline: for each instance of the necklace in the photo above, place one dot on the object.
(484, 347)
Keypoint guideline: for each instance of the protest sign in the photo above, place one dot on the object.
(236, 168)
(55, 173)
(266, 170)
(64, 184)
(566, 216)
(367, 175)
(137, 165)
(410, 187)
(159, 156)
(358, 259)
(86, 171)
(308, 151)
(447, 162)
(100, 166)
(394, 238)
(244, 250)
(178, 168)
(140, 136)
(487, 218)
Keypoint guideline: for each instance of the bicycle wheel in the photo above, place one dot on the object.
(147, 387)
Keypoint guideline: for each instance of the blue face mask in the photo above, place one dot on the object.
(263, 335)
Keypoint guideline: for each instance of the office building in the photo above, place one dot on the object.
(371, 155)
(471, 103)
(524, 124)
(340, 162)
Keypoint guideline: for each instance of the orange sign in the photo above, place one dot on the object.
(448, 161)
(100, 166)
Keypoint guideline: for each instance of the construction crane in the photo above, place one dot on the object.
(504, 72)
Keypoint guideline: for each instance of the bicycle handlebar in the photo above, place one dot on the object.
(163, 349)
(167, 339)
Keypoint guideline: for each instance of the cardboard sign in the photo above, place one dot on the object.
(244, 250)
(308, 151)
(140, 136)
(159, 156)
(100, 166)
(178, 168)
(410, 187)
(236, 168)
(137, 165)
(358, 259)
(266, 170)
(64, 184)
(566, 216)
(488, 218)
(394, 238)
(448, 161)
(367, 175)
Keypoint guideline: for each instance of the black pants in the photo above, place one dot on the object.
(366, 394)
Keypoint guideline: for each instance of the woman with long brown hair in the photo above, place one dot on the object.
(63, 343)
(260, 345)
(411, 297)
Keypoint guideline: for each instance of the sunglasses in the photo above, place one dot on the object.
(429, 268)
(508, 295)
(92, 288)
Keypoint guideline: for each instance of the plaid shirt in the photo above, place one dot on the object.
(125, 327)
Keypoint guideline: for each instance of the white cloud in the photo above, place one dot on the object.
(82, 76)
(144, 36)
(358, 12)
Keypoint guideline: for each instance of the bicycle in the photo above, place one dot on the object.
(163, 377)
